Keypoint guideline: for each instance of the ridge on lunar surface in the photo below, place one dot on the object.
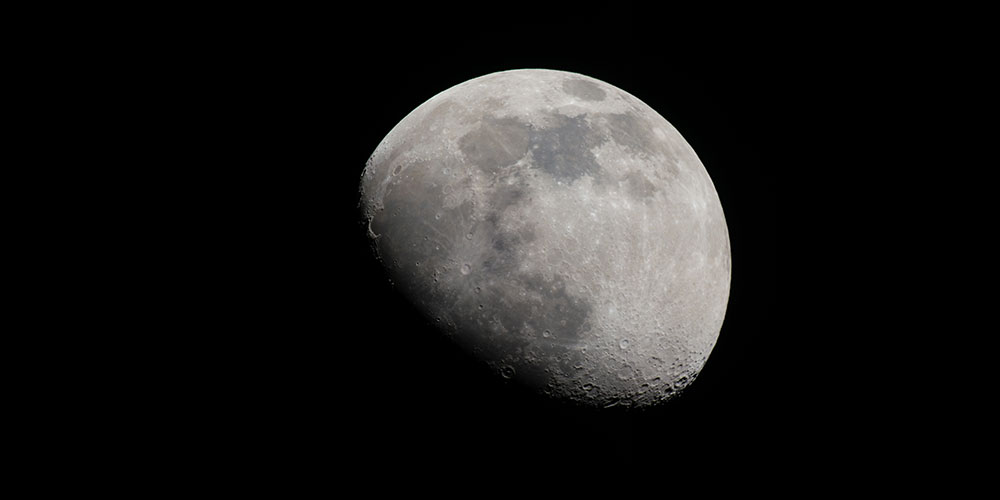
(560, 230)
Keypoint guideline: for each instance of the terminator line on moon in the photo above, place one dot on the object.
(560, 230)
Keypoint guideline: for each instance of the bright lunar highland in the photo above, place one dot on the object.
(558, 229)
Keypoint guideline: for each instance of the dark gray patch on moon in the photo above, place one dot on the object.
(507, 241)
(631, 131)
(506, 196)
(635, 133)
(504, 242)
(503, 259)
(495, 143)
(638, 186)
(563, 151)
(586, 90)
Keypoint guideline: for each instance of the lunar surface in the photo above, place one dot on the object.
(557, 228)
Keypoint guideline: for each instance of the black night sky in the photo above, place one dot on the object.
(328, 361)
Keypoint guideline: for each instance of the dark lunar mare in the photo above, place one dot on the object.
(564, 150)
(584, 89)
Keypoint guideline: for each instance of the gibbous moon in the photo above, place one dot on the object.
(557, 228)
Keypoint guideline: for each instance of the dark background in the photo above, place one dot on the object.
(225, 322)
(314, 355)
(229, 324)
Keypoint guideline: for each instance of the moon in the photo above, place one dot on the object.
(557, 228)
